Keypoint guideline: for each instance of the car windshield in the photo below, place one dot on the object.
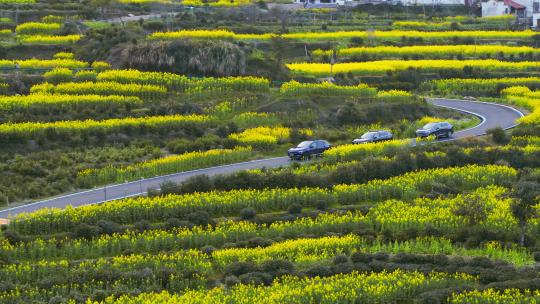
(429, 125)
(304, 144)
(368, 135)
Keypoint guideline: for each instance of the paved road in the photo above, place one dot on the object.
(137, 18)
(112, 192)
(492, 115)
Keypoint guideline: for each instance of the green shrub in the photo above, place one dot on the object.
(240, 268)
(295, 208)
(86, 231)
(248, 213)
(361, 257)
(319, 271)
(498, 135)
(200, 218)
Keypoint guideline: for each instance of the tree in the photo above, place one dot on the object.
(536, 40)
(278, 49)
(102, 5)
(526, 195)
(282, 15)
(498, 135)
(473, 208)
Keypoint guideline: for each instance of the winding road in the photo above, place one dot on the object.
(492, 115)
(137, 18)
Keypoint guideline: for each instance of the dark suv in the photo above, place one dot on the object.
(373, 136)
(306, 149)
(438, 129)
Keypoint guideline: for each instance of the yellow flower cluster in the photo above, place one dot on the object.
(8, 103)
(217, 3)
(525, 140)
(296, 251)
(41, 39)
(43, 63)
(441, 36)
(381, 67)
(212, 3)
(524, 97)
(383, 287)
(480, 86)
(34, 129)
(431, 51)
(101, 88)
(303, 251)
(262, 137)
(165, 165)
(357, 152)
(5, 33)
(64, 55)
(34, 271)
(397, 215)
(35, 28)
(183, 83)
(300, 250)
(146, 1)
(405, 187)
(295, 89)
(397, 96)
(493, 296)
(420, 25)
(17, 1)
(208, 34)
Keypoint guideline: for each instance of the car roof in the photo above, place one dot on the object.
(434, 123)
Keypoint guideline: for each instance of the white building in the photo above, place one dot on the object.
(324, 3)
(433, 2)
(536, 20)
(520, 8)
(493, 8)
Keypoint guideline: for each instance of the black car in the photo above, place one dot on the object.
(306, 149)
(373, 136)
(438, 129)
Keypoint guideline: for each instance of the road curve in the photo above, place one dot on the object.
(492, 115)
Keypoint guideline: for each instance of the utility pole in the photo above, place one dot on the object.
(105, 192)
(332, 60)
